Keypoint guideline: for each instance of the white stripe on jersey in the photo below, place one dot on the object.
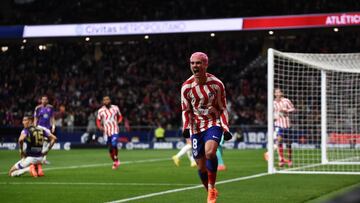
(109, 118)
(282, 119)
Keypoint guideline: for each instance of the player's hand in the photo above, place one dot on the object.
(53, 130)
(186, 133)
(227, 135)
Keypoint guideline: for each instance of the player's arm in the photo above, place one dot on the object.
(52, 139)
(289, 107)
(98, 122)
(119, 117)
(36, 116)
(52, 121)
(224, 115)
(186, 112)
(21, 144)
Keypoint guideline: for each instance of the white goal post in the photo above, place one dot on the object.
(324, 137)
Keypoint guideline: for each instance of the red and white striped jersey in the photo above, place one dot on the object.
(203, 106)
(281, 110)
(109, 118)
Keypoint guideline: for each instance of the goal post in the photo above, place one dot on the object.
(324, 136)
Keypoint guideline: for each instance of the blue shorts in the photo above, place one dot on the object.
(113, 140)
(198, 140)
(284, 133)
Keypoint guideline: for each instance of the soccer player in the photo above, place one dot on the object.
(186, 149)
(108, 118)
(44, 118)
(32, 158)
(282, 108)
(205, 117)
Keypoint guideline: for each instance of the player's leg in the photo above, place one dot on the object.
(189, 153)
(46, 145)
(25, 165)
(288, 141)
(219, 153)
(183, 150)
(198, 152)
(191, 158)
(114, 151)
(280, 147)
(17, 169)
(212, 138)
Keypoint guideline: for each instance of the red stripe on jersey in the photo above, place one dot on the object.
(196, 106)
(186, 108)
(213, 116)
(282, 119)
(206, 101)
(109, 119)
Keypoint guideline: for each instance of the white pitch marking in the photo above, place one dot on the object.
(187, 188)
(105, 184)
(98, 165)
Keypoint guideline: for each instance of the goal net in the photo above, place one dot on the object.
(324, 132)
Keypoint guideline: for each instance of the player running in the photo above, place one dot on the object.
(205, 117)
(32, 157)
(186, 149)
(44, 118)
(108, 118)
(282, 108)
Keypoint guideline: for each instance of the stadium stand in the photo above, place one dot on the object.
(143, 82)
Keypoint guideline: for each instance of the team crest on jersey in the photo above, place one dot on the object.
(210, 95)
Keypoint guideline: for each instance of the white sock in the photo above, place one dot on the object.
(191, 158)
(185, 148)
(19, 172)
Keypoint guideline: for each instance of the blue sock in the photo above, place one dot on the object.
(212, 164)
(204, 178)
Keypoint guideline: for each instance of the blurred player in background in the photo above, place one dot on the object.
(282, 108)
(32, 158)
(219, 153)
(205, 117)
(108, 118)
(186, 149)
(44, 118)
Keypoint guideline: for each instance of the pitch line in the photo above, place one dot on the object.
(103, 184)
(188, 188)
(98, 165)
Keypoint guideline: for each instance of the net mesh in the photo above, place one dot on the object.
(299, 78)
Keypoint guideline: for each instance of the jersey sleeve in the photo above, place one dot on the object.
(25, 132)
(224, 115)
(36, 113)
(185, 108)
(120, 117)
(289, 106)
(46, 132)
(98, 117)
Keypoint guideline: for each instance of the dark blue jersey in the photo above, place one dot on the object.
(34, 140)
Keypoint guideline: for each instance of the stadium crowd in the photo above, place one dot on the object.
(83, 11)
(144, 77)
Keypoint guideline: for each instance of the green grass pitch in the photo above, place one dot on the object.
(86, 176)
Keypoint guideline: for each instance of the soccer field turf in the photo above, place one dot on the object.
(86, 176)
